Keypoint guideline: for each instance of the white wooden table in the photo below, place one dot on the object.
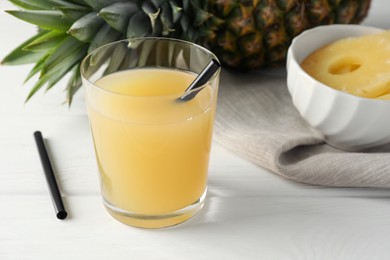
(250, 213)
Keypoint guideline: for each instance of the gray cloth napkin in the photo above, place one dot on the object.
(257, 120)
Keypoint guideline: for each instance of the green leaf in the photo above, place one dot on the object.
(104, 36)
(129, 61)
(184, 23)
(38, 85)
(65, 49)
(68, 4)
(86, 27)
(46, 36)
(74, 84)
(72, 10)
(154, 16)
(177, 12)
(116, 59)
(33, 4)
(158, 2)
(46, 42)
(19, 56)
(139, 25)
(146, 54)
(162, 55)
(100, 4)
(51, 77)
(79, 2)
(167, 20)
(38, 67)
(118, 14)
(47, 4)
(66, 64)
(72, 13)
(51, 20)
(148, 7)
(201, 17)
(155, 22)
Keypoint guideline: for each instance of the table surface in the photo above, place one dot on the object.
(250, 213)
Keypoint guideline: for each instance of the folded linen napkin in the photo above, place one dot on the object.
(257, 120)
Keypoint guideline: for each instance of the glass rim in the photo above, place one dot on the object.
(205, 50)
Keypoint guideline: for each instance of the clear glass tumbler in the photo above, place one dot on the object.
(152, 151)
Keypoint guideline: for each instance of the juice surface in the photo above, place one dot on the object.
(152, 152)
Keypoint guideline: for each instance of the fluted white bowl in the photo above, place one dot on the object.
(347, 122)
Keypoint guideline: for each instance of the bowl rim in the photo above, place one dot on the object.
(329, 28)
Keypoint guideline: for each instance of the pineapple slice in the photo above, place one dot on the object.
(359, 66)
(384, 97)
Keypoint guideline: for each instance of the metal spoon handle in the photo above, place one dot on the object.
(200, 80)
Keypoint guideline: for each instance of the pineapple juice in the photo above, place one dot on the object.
(152, 151)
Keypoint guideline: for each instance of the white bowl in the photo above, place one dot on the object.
(347, 122)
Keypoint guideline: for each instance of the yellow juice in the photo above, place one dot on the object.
(152, 151)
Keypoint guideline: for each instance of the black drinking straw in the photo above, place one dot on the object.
(200, 80)
(50, 178)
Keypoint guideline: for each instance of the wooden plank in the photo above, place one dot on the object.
(237, 227)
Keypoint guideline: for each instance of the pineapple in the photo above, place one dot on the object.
(243, 34)
(356, 65)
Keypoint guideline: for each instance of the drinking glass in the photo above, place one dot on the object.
(152, 151)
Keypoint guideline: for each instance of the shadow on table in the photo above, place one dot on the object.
(249, 203)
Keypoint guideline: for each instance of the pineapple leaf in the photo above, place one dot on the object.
(67, 4)
(148, 7)
(46, 36)
(72, 91)
(68, 47)
(129, 61)
(163, 55)
(51, 20)
(73, 13)
(184, 22)
(52, 76)
(73, 85)
(153, 14)
(38, 85)
(19, 56)
(33, 4)
(38, 67)
(72, 10)
(66, 64)
(100, 4)
(176, 12)
(201, 17)
(139, 25)
(117, 15)
(158, 2)
(185, 25)
(116, 59)
(146, 54)
(104, 36)
(167, 19)
(86, 27)
(80, 2)
(46, 42)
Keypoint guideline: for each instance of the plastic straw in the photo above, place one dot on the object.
(50, 178)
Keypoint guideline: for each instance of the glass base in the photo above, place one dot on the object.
(156, 221)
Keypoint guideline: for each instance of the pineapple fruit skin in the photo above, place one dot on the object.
(245, 35)
(258, 33)
(356, 65)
